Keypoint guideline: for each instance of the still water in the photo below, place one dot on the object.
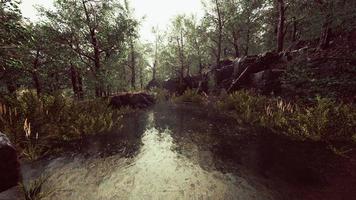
(180, 153)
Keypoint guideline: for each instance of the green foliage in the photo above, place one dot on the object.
(161, 95)
(34, 123)
(308, 80)
(190, 96)
(246, 106)
(324, 120)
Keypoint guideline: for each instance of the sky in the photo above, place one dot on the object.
(155, 12)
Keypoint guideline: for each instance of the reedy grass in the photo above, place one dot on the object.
(34, 189)
(33, 123)
(324, 120)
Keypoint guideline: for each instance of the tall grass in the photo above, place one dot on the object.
(323, 120)
(190, 96)
(34, 189)
(34, 123)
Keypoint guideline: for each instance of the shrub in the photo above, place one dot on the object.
(246, 107)
(190, 96)
(34, 123)
(161, 95)
(323, 120)
(34, 190)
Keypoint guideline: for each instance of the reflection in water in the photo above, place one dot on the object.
(188, 153)
(158, 171)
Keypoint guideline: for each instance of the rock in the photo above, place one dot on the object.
(224, 71)
(134, 100)
(153, 84)
(9, 164)
(15, 193)
(198, 82)
(254, 65)
(266, 81)
(174, 86)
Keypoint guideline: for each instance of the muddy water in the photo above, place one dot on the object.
(187, 153)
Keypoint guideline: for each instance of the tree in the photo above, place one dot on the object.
(13, 36)
(280, 29)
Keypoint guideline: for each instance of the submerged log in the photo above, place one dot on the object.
(133, 100)
(9, 164)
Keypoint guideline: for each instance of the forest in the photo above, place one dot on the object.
(258, 84)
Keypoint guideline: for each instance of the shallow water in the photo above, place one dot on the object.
(182, 153)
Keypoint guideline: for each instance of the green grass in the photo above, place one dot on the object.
(34, 190)
(161, 95)
(34, 123)
(190, 96)
(324, 120)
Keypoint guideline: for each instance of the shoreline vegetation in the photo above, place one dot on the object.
(323, 119)
(38, 125)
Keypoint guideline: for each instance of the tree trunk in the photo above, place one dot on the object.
(80, 86)
(35, 78)
(96, 49)
(133, 65)
(247, 42)
(220, 30)
(281, 21)
(295, 29)
(325, 33)
(141, 78)
(74, 79)
(154, 70)
(235, 43)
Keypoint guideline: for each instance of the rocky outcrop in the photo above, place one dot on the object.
(252, 66)
(266, 81)
(9, 164)
(177, 86)
(133, 100)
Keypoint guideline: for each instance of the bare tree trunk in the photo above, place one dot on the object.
(180, 44)
(80, 85)
(74, 79)
(235, 43)
(35, 78)
(133, 65)
(141, 77)
(295, 29)
(154, 68)
(325, 33)
(220, 31)
(281, 21)
(247, 42)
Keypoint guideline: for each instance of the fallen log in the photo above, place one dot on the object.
(133, 100)
(262, 63)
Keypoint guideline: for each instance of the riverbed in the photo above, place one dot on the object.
(186, 152)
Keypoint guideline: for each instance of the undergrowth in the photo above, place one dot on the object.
(324, 120)
(190, 96)
(34, 123)
(34, 189)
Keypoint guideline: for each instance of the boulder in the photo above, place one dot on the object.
(9, 164)
(174, 86)
(153, 84)
(224, 71)
(133, 100)
(254, 65)
(266, 81)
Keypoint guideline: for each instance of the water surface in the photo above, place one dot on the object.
(184, 152)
